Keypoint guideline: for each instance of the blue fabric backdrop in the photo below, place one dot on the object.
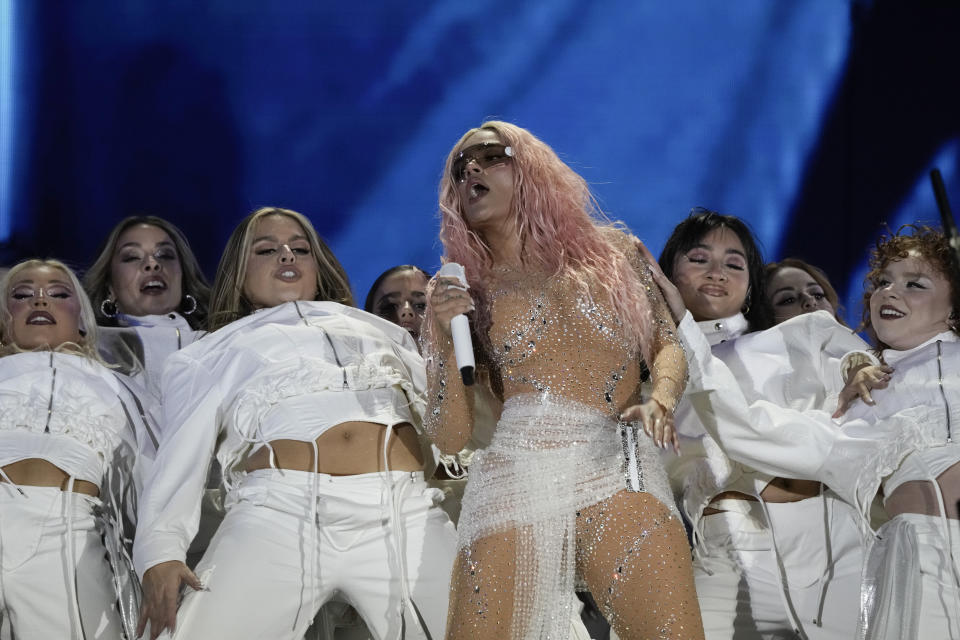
(816, 121)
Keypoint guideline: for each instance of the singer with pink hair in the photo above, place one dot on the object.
(565, 319)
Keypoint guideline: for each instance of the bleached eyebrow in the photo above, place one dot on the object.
(274, 238)
(50, 283)
(60, 282)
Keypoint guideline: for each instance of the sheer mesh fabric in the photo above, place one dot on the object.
(545, 501)
(547, 494)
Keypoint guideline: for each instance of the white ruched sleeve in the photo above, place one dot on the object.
(804, 444)
(170, 505)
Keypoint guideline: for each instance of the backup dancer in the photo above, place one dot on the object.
(794, 287)
(399, 295)
(902, 442)
(774, 556)
(148, 292)
(68, 465)
(312, 407)
(150, 298)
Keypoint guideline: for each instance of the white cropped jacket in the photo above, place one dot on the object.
(291, 372)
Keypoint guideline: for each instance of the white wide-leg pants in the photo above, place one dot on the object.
(740, 588)
(269, 567)
(935, 590)
(37, 594)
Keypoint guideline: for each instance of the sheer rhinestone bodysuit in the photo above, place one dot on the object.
(545, 504)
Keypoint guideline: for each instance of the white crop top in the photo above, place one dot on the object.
(739, 392)
(159, 336)
(65, 409)
(703, 470)
(139, 351)
(926, 386)
(288, 372)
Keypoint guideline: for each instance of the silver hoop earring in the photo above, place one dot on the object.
(193, 304)
(108, 308)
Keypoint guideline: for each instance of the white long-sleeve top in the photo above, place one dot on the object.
(794, 364)
(288, 372)
(159, 336)
(924, 393)
(703, 470)
(906, 435)
(140, 349)
(70, 411)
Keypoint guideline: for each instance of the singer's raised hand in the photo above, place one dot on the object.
(448, 299)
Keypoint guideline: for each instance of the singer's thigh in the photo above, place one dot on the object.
(634, 556)
(481, 604)
(258, 579)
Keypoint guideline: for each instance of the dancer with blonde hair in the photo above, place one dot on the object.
(312, 408)
(69, 465)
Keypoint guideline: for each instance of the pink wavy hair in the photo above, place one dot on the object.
(562, 231)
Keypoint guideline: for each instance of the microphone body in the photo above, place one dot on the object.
(460, 329)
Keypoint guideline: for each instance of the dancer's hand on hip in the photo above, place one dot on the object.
(161, 586)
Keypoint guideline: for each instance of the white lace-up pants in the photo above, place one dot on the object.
(739, 585)
(913, 590)
(268, 569)
(37, 595)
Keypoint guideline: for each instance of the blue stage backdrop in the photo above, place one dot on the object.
(816, 121)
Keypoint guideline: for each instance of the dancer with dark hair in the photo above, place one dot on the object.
(399, 295)
(794, 287)
(766, 564)
(716, 263)
(150, 299)
(147, 268)
(901, 440)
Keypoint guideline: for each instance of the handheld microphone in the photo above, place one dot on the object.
(460, 328)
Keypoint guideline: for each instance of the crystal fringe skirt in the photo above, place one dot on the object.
(549, 458)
